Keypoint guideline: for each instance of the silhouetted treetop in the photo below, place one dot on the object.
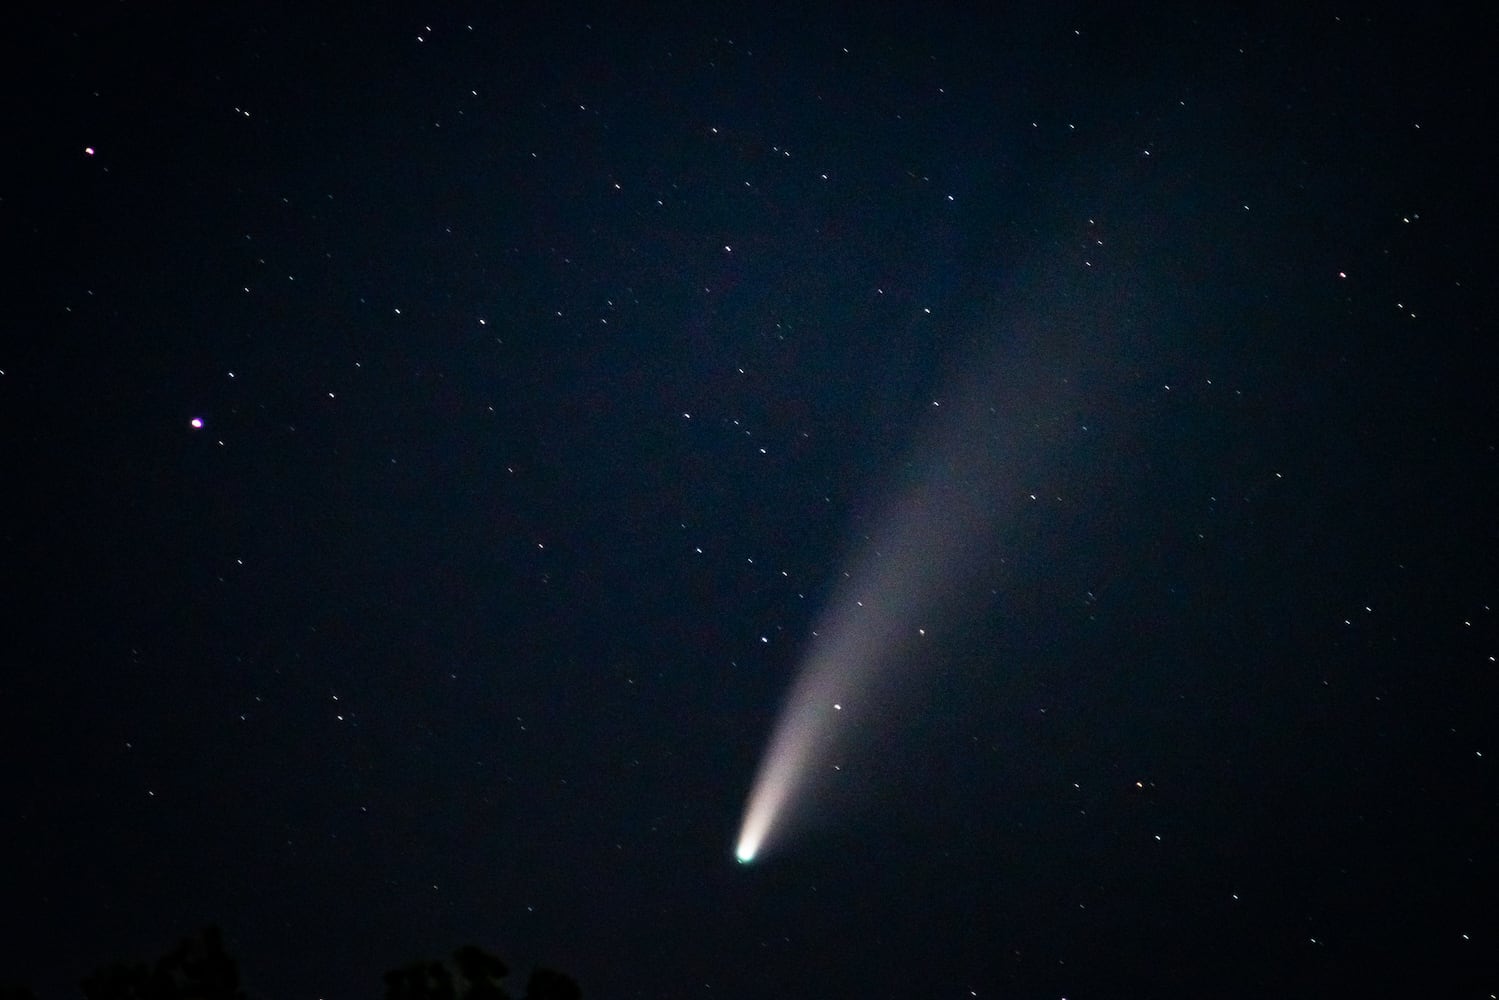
(199, 969)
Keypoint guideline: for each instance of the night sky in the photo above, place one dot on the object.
(430, 440)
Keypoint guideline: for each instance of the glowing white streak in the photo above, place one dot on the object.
(864, 631)
(1016, 406)
(785, 772)
(924, 547)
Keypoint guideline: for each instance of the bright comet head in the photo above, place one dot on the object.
(785, 775)
(926, 558)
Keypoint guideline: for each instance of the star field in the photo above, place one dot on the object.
(433, 441)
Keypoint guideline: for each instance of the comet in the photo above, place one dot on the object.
(905, 578)
(862, 645)
(915, 569)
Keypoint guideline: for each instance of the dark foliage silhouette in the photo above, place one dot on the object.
(200, 969)
(479, 976)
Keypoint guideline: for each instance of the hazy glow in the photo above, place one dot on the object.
(928, 542)
(784, 773)
(867, 632)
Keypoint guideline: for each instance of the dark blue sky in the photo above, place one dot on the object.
(553, 364)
